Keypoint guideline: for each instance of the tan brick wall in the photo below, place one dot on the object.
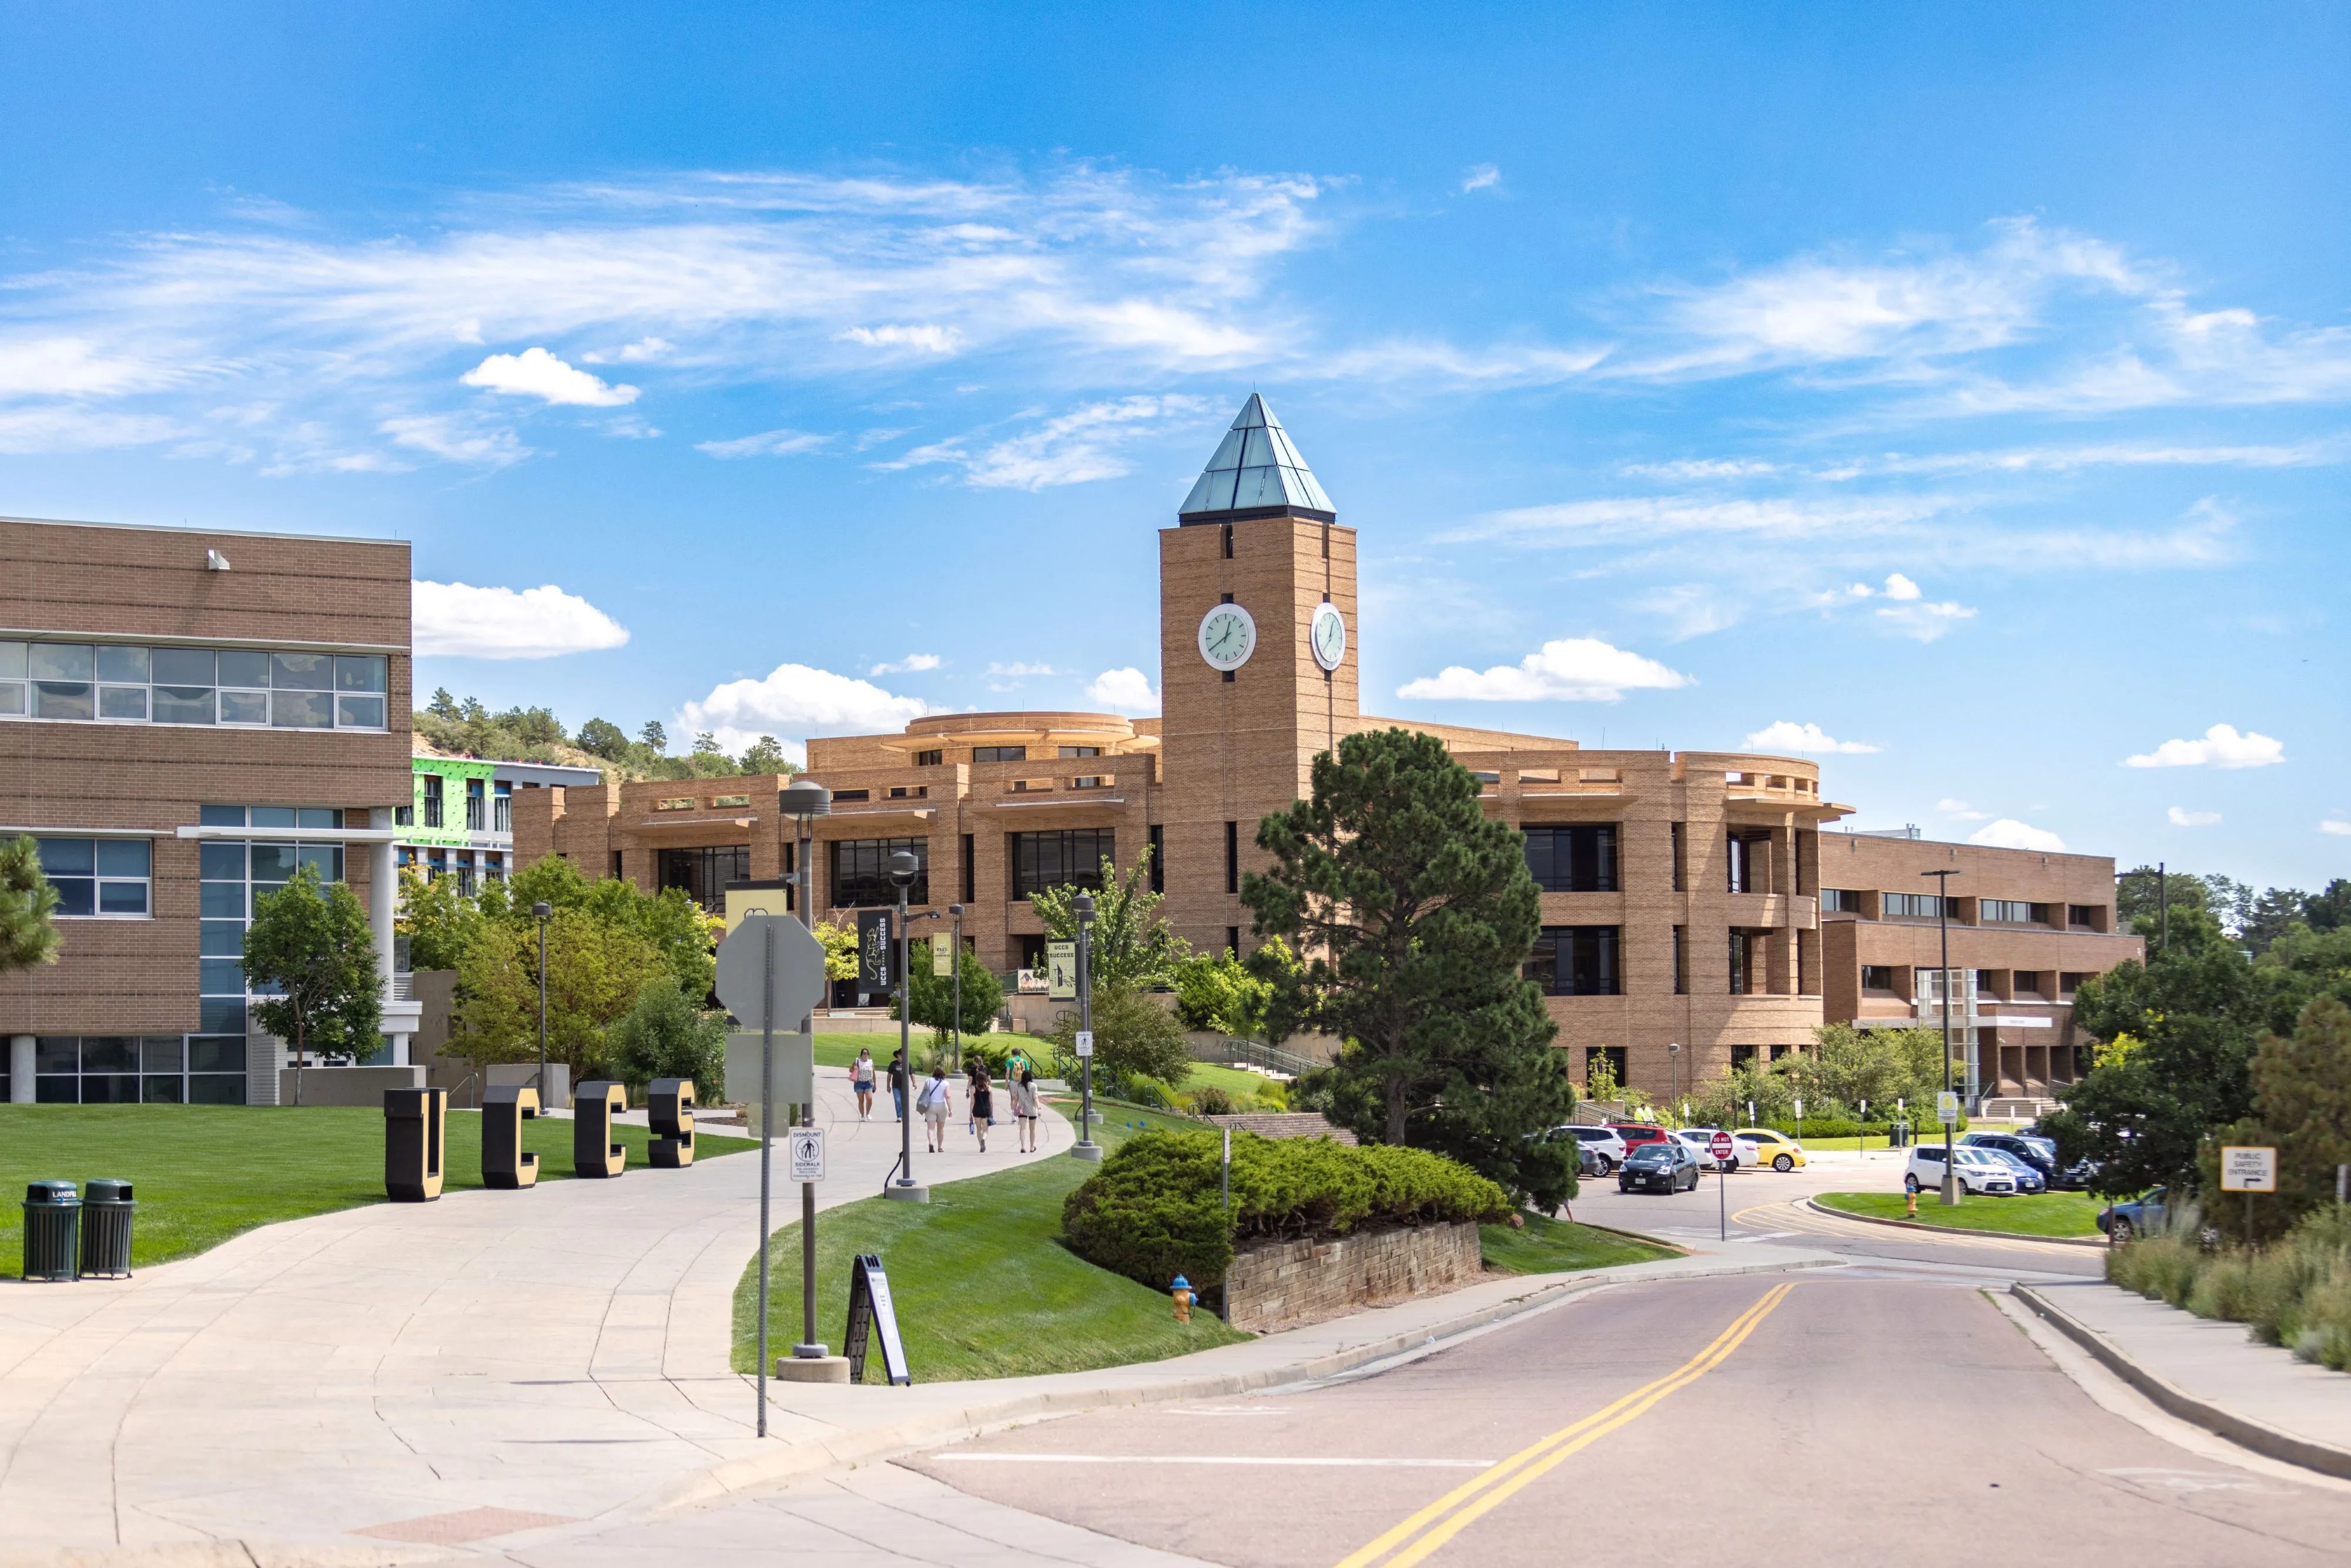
(1288, 1283)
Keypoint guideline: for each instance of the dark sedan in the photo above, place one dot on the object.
(1665, 1167)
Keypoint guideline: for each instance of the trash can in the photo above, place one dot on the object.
(106, 1210)
(52, 1231)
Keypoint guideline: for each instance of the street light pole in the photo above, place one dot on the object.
(543, 912)
(902, 867)
(1085, 1148)
(805, 800)
(955, 966)
(1951, 1194)
(1674, 1062)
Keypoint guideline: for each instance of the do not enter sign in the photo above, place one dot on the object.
(1720, 1147)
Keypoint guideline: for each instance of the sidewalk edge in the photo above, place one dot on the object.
(2173, 1400)
(1916, 1230)
(811, 1455)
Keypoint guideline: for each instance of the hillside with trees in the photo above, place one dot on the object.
(448, 726)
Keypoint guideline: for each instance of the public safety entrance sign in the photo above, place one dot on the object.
(2245, 1168)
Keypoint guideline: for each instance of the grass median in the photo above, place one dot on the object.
(983, 1287)
(2061, 1214)
(202, 1174)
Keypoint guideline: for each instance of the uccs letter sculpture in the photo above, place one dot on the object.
(415, 1124)
(593, 1152)
(669, 1107)
(506, 1165)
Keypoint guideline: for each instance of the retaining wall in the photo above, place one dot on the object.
(1292, 1283)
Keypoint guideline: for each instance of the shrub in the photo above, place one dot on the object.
(1152, 1211)
(1210, 1100)
(1272, 1095)
(664, 1035)
(1133, 1033)
(2296, 1292)
(1144, 1089)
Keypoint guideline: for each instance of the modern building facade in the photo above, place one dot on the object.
(187, 719)
(460, 820)
(1684, 925)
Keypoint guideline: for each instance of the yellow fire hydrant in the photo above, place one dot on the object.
(1910, 1209)
(1181, 1294)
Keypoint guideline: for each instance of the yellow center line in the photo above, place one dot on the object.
(1507, 1477)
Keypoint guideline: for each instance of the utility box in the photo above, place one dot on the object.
(670, 1108)
(506, 1165)
(415, 1129)
(593, 1152)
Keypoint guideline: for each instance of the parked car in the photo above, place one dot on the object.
(1702, 1142)
(2029, 1180)
(2077, 1177)
(1979, 1171)
(1667, 1165)
(1636, 1133)
(2038, 1153)
(2141, 1216)
(1778, 1150)
(1602, 1144)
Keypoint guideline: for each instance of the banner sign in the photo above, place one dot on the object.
(1060, 971)
(870, 1309)
(943, 957)
(874, 972)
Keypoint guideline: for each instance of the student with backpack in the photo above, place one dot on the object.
(937, 1102)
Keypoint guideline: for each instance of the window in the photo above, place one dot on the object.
(2086, 916)
(1233, 940)
(477, 802)
(1575, 961)
(1840, 901)
(910, 791)
(2027, 983)
(1572, 860)
(1741, 946)
(1088, 781)
(128, 1068)
(97, 878)
(1877, 977)
(1681, 960)
(1748, 862)
(1158, 842)
(1911, 905)
(1614, 1055)
(502, 808)
(1070, 858)
(1232, 857)
(432, 799)
(2009, 911)
(2069, 981)
(852, 794)
(232, 873)
(1081, 751)
(1681, 865)
(970, 870)
(112, 682)
(929, 758)
(1741, 1056)
(999, 754)
(703, 871)
(861, 872)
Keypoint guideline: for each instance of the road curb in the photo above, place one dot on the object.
(1917, 1229)
(2173, 1400)
(811, 1455)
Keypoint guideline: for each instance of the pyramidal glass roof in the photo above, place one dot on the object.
(1255, 468)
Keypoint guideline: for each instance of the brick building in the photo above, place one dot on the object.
(185, 718)
(1682, 893)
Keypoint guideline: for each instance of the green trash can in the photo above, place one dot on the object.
(52, 1231)
(106, 1211)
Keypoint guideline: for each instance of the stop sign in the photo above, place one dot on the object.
(1721, 1146)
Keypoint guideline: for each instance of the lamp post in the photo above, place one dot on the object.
(902, 867)
(542, 913)
(1085, 1148)
(803, 799)
(1951, 1194)
(955, 967)
(1674, 1060)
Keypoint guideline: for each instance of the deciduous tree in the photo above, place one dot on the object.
(312, 945)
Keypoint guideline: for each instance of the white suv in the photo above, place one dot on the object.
(1607, 1146)
(1979, 1172)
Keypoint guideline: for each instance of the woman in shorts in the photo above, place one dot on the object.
(937, 1102)
(983, 1103)
(860, 1079)
(1024, 1109)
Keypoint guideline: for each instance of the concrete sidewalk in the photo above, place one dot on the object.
(2209, 1373)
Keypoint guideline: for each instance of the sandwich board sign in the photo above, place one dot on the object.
(869, 1310)
(2245, 1168)
(1060, 971)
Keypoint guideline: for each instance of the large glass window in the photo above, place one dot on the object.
(1575, 961)
(97, 878)
(860, 872)
(128, 1068)
(1579, 859)
(2012, 912)
(1071, 858)
(120, 684)
(999, 754)
(432, 785)
(1911, 905)
(1840, 901)
(705, 871)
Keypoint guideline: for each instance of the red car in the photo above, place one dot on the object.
(1634, 1135)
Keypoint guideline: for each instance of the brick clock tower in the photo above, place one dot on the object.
(1256, 663)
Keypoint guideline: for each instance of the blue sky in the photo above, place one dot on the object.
(1964, 389)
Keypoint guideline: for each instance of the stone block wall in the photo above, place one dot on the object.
(1289, 1283)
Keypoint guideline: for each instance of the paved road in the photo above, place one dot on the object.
(1881, 1413)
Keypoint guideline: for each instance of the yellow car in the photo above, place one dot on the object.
(1778, 1150)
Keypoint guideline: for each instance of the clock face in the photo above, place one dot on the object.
(1329, 635)
(1228, 637)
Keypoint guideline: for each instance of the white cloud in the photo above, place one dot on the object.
(643, 351)
(1802, 739)
(2182, 818)
(767, 444)
(1126, 690)
(1925, 621)
(64, 366)
(911, 664)
(2219, 746)
(2330, 825)
(537, 374)
(1960, 810)
(1644, 518)
(798, 701)
(69, 427)
(1900, 587)
(457, 439)
(929, 340)
(1481, 177)
(1068, 449)
(1572, 669)
(456, 619)
(1020, 669)
(2007, 833)
(1693, 609)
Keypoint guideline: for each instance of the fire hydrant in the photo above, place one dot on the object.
(1182, 1293)
(1910, 1209)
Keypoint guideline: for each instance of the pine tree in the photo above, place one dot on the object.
(28, 936)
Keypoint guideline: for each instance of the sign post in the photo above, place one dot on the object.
(2249, 1169)
(769, 965)
(1720, 1147)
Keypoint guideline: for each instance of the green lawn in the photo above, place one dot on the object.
(983, 1287)
(2040, 1214)
(205, 1172)
(1554, 1246)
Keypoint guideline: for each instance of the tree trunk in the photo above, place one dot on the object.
(299, 1035)
(1395, 1109)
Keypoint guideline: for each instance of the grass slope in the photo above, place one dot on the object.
(205, 1172)
(1554, 1246)
(2040, 1214)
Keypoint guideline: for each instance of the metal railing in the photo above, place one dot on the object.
(1230, 1051)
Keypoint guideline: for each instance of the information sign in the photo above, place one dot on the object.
(2245, 1168)
(942, 959)
(871, 1312)
(1060, 971)
(806, 1154)
(1085, 1039)
(1946, 1108)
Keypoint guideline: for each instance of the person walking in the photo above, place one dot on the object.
(898, 1082)
(1024, 1109)
(936, 1104)
(974, 1071)
(860, 1079)
(983, 1103)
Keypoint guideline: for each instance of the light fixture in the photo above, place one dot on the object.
(215, 562)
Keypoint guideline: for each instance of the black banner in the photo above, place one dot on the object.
(875, 969)
(870, 1309)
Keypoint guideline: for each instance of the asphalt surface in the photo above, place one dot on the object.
(1883, 1413)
